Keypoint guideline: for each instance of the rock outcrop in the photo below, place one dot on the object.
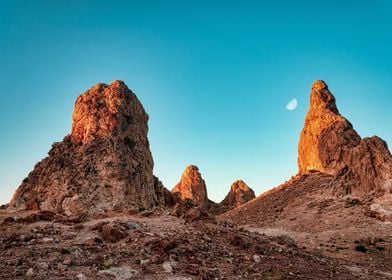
(329, 144)
(104, 164)
(192, 187)
(343, 187)
(240, 193)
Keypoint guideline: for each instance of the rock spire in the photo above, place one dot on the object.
(104, 164)
(329, 143)
(192, 187)
(240, 193)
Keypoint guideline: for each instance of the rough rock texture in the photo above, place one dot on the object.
(240, 193)
(192, 187)
(326, 134)
(305, 209)
(328, 143)
(340, 203)
(162, 248)
(104, 164)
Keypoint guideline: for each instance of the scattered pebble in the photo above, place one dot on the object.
(81, 276)
(256, 258)
(43, 265)
(144, 262)
(47, 240)
(120, 273)
(30, 273)
(67, 260)
(167, 266)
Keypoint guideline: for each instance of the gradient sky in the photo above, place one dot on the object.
(215, 78)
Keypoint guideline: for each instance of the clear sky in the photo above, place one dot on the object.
(214, 76)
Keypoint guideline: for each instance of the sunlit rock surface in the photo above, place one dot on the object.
(192, 187)
(328, 143)
(104, 164)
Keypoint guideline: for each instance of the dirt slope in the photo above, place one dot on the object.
(47, 246)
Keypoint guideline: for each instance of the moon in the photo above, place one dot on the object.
(292, 104)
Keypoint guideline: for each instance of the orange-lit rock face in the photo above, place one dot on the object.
(240, 193)
(106, 110)
(192, 186)
(326, 134)
(104, 164)
(328, 143)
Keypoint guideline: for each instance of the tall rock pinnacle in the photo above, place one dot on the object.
(240, 193)
(192, 186)
(105, 111)
(326, 133)
(328, 143)
(104, 164)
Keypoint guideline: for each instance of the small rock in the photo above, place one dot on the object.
(93, 240)
(146, 213)
(132, 225)
(47, 240)
(256, 258)
(4, 206)
(168, 267)
(81, 276)
(120, 273)
(206, 238)
(43, 265)
(67, 260)
(144, 262)
(108, 262)
(192, 215)
(287, 240)
(61, 267)
(111, 233)
(30, 273)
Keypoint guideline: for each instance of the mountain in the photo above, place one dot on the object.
(105, 164)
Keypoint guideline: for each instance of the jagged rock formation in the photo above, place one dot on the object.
(239, 194)
(192, 187)
(341, 195)
(104, 164)
(342, 178)
(328, 143)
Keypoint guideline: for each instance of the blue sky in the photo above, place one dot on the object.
(214, 76)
